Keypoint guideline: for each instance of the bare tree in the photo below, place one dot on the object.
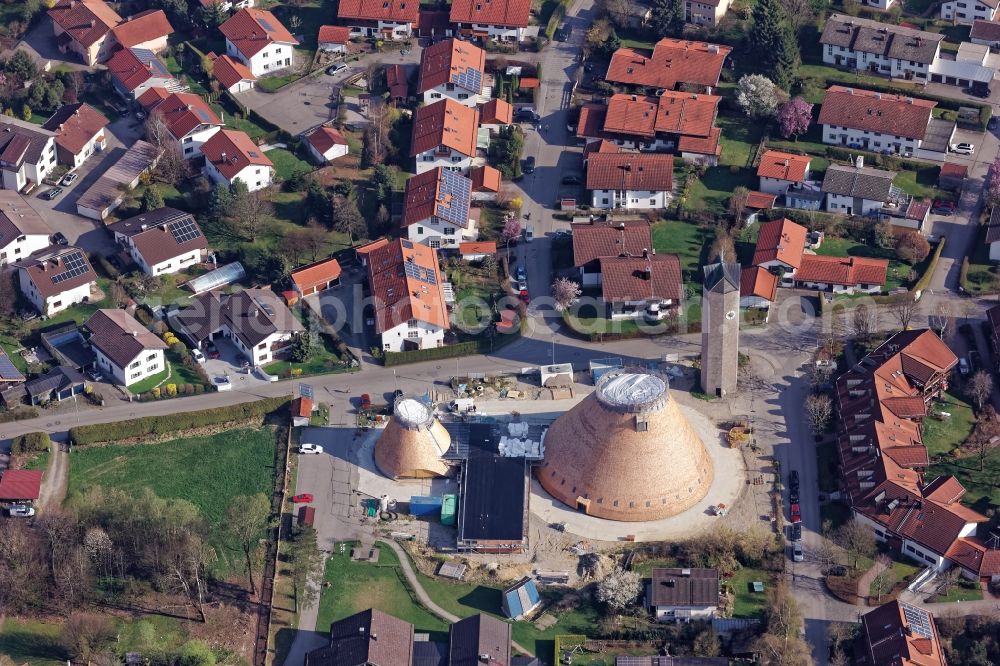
(156, 131)
(250, 210)
(246, 517)
(949, 580)
(980, 388)
(315, 238)
(903, 308)
(619, 11)
(986, 433)
(84, 635)
(856, 538)
(172, 167)
(885, 579)
(819, 411)
(864, 321)
(723, 246)
(738, 203)
(294, 244)
(799, 12)
(565, 291)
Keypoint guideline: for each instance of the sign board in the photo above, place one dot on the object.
(306, 391)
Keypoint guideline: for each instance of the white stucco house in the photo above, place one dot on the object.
(258, 40)
(883, 48)
(633, 181)
(778, 171)
(965, 12)
(123, 348)
(326, 144)
(231, 154)
(705, 12)
(857, 190)
(456, 70)
(391, 19)
(22, 230)
(188, 119)
(79, 133)
(161, 241)
(56, 278)
(27, 153)
(436, 209)
(497, 20)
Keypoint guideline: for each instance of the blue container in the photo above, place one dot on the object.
(424, 506)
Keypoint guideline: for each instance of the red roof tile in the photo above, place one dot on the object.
(445, 123)
(783, 166)
(761, 200)
(302, 407)
(229, 71)
(86, 21)
(759, 282)
(944, 489)
(325, 138)
(20, 484)
(671, 112)
(485, 179)
(507, 13)
(953, 170)
(368, 248)
(334, 34)
(709, 145)
(895, 115)
(478, 247)
(184, 113)
(316, 274)
(889, 637)
(651, 172)
(591, 123)
(132, 68)
(987, 31)
(142, 28)
(374, 10)
(152, 97)
(400, 296)
(239, 149)
(496, 112)
(780, 240)
(75, 125)
(252, 30)
(395, 77)
(845, 271)
(600, 146)
(673, 61)
(972, 553)
(636, 279)
(452, 61)
(594, 240)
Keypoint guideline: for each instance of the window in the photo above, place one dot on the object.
(136, 364)
(151, 369)
(262, 345)
(449, 231)
(413, 334)
(188, 139)
(411, 323)
(151, 357)
(456, 158)
(435, 95)
(265, 55)
(135, 375)
(420, 231)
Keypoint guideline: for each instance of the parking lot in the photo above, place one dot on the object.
(231, 362)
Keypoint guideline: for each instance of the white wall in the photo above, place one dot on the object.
(774, 185)
(457, 93)
(839, 203)
(841, 289)
(424, 334)
(435, 232)
(21, 247)
(89, 149)
(701, 13)
(261, 353)
(400, 30)
(995, 251)
(683, 613)
(255, 177)
(454, 160)
(52, 304)
(869, 140)
(274, 58)
(497, 32)
(148, 362)
(895, 67)
(190, 144)
(965, 12)
(338, 150)
(629, 199)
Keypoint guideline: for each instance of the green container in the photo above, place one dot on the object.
(449, 504)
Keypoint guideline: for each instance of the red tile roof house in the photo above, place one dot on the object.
(79, 130)
(899, 634)
(232, 74)
(881, 402)
(162, 241)
(188, 119)
(672, 63)
(405, 282)
(456, 70)
(258, 40)
(436, 209)
(499, 20)
(56, 278)
(134, 71)
(124, 349)
(20, 485)
(780, 246)
(333, 38)
(644, 287)
(758, 287)
(631, 181)
(385, 19)
(494, 114)
(83, 26)
(316, 277)
(881, 122)
(842, 275)
(148, 30)
(231, 154)
(593, 241)
(779, 171)
(486, 182)
(477, 250)
(445, 135)
(326, 144)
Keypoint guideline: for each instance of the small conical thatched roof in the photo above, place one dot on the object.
(412, 443)
(626, 452)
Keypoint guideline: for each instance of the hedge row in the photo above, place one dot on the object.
(925, 280)
(468, 348)
(174, 423)
(18, 414)
(31, 442)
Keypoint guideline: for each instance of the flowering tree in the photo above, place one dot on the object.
(758, 96)
(511, 231)
(565, 291)
(794, 117)
(619, 589)
(991, 190)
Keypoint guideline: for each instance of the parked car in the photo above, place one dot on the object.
(69, 179)
(198, 356)
(963, 148)
(222, 383)
(212, 350)
(571, 180)
(310, 448)
(95, 375)
(529, 164)
(525, 115)
(975, 363)
(796, 513)
(333, 69)
(20, 511)
(963, 366)
(52, 193)
(564, 32)
(366, 401)
(797, 554)
(529, 234)
(796, 532)
(978, 91)
(59, 239)
(793, 479)
(943, 207)
(303, 498)
(522, 273)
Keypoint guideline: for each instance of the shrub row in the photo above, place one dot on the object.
(467, 348)
(174, 423)
(925, 280)
(31, 442)
(18, 414)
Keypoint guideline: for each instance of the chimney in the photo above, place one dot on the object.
(135, 334)
(223, 156)
(860, 163)
(645, 253)
(93, 23)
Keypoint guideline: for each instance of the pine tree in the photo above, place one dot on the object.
(151, 200)
(773, 47)
(668, 17)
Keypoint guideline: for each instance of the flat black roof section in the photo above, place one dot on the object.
(493, 491)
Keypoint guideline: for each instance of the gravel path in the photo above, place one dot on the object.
(56, 479)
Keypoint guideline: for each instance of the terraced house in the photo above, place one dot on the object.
(499, 20)
(456, 70)
(892, 50)
(385, 19)
(673, 62)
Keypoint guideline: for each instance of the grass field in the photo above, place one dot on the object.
(712, 191)
(941, 436)
(357, 586)
(35, 643)
(748, 603)
(964, 590)
(739, 139)
(686, 240)
(287, 164)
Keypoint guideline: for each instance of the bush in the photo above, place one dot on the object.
(18, 414)
(31, 442)
(925, 280)
(174, 424)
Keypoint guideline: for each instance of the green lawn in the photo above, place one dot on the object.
(983, 486)
(31, 642)
(206, 471)
(740, 137)
(357, 586)
(712, 191)
(688, 241)
(645, 567)
(274, 82)
(942, 435)
(748, 603)
(287, 164)
(149, 383)
(323, 360)
(235, 119)
(964, 590)
(475, 291)
(921, 184)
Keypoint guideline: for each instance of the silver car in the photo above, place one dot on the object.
(797, 554)
(21, 511)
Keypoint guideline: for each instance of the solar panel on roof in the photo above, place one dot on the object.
(918, 619)
(470, 79)
(264, 23)
(75, 265)
(184, 230)
(7, 368)
(458, 189)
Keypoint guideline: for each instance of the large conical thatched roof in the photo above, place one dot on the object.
(626, 452)
(412, 443)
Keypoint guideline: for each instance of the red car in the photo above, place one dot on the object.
(304, 498)
(366, 401)
(524, 296)
(796, 513)
(943, 207)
